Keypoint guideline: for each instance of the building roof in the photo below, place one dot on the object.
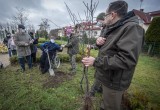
(146, 17)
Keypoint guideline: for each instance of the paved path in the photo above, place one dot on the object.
(4, 58)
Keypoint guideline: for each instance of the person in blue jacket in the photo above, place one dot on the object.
(51, 47)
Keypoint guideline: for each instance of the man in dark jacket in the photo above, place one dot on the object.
(51, 47)
(96, 87)
(118, 53)
(73, 50)
(5, 41)
(33, 48)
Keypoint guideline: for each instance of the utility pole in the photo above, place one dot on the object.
(141, 4)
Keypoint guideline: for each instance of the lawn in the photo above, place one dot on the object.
(28, 91)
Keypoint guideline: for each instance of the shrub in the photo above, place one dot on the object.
(153, 32)
(58, 42)
(13, 60)
(3, 48)
(42, 40)
(136, 100)
(65, 57)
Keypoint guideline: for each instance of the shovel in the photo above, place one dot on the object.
(51, 72)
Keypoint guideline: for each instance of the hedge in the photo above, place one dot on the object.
(153, 32)
(63, 58)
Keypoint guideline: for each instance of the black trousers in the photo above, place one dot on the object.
(44, 64)
(33, 57)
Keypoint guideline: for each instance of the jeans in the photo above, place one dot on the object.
(9, 52)
(22, 61)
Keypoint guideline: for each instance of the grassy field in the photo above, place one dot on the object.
(27, 91)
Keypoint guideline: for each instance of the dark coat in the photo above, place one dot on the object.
(117, 58)
(73, 45)
(51, 47)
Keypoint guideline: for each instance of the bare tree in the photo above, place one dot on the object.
(44, 24)
(21, 16)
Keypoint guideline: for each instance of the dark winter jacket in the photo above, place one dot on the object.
(34, 45)
(5, 41)
(118, 57)
(52, 48)
(73, 45)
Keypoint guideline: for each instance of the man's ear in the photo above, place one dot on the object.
(113, 14)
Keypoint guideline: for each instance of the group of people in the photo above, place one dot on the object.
(23, 45)
(51, 48)
(119, 46)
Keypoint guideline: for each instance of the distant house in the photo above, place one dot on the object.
(91, 27)
(145, 18)
(84, 27)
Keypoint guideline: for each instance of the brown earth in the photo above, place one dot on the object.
(59, 77)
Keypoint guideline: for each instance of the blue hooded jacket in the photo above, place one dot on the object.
(52, 47)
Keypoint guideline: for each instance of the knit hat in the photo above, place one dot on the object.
(20, 26)
(100, 16)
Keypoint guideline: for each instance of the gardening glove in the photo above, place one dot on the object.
(46, 50)
(62, 46)
(26, 44)
(31, 41)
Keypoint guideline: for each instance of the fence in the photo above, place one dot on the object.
(152, 48)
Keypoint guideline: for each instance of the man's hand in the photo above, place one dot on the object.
(31, 41)
(63, 46)
(90, 46)
(88, 61)
(26, 44)
(46, 50)
(100, 41)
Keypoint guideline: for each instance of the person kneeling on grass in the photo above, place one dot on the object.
(51, 47)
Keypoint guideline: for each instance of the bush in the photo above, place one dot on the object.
(64, 38)
(153, 32)
(13, 60)
(136, 100)
(42, 40)
(58, 42)
(63, 58)
(3, 48)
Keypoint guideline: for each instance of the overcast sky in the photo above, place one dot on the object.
(56, 11)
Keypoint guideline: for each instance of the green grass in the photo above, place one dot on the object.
(146, 78)
(20, 91)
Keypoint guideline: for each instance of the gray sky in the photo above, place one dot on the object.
(56, 11)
